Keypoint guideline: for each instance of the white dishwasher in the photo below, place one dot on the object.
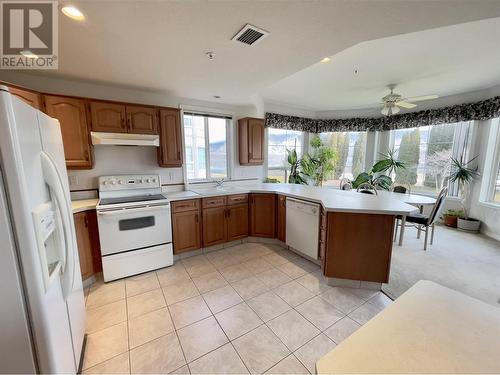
(302, 226)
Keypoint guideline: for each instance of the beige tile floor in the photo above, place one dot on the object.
(251, 308)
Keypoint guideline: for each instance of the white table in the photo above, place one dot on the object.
(429, 329)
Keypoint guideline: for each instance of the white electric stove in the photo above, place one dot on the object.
(135, 227)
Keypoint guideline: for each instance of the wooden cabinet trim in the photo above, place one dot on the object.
(214, 202)
(186, 205)
(237, 199)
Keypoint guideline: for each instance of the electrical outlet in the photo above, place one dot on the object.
(73, 180)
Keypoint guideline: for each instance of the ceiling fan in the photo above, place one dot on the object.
(393, 102)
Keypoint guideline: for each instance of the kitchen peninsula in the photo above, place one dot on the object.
(355, 230)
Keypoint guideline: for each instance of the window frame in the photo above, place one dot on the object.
(229, 123)
(303, 143)
(458, 140)
(491, 166)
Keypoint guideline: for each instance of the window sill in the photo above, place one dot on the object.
(492, 205)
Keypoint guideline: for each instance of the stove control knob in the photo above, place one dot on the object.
(140, 181)
(113, 182)
(104, 183)
(120, 182)
(148, 180)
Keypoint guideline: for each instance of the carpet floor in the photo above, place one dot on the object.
(469, 263)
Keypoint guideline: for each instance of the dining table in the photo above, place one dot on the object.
(418, 200)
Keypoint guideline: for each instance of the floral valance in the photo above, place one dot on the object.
(483, 110)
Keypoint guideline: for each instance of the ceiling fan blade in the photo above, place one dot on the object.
(404, 104)
(421, 98)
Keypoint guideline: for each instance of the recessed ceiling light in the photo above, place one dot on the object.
(217, 96)
(325, 60)
(29, 54)
(210, 55)
(73, 12)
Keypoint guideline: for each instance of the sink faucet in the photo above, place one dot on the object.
(219, 182)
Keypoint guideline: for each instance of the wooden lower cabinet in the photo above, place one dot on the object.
(367, 256)
(281, 218)
(214, 226)
(263, 215)
(237, 222)
(186, 225)
(84, 242)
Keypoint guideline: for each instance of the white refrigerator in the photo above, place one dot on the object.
(42, 309)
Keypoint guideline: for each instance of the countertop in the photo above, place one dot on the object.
(83, 205)
(331, 199)
(429, 329)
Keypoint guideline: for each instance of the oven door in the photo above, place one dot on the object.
(134, 228)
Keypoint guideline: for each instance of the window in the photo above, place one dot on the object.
(427, 152)
(205, 140)
(280, 140)
(350, 147)
(496, 190)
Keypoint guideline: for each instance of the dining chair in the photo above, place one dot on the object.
(422, 222)
(345, 184)
(367, 188)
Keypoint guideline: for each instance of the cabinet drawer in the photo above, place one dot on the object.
(237, 199)
(187, 205)
(213, 202)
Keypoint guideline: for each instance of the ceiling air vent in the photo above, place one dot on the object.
(250, 35)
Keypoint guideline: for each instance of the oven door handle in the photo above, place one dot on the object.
(132, 210)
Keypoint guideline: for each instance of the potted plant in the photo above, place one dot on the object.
(450, 218)
(294, 162)
(319, 163)
(464, 175)
(377, 176)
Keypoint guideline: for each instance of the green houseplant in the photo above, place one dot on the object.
(319, 163)
(379, 174)
(464, 175)
(450, 217)
(295, 176)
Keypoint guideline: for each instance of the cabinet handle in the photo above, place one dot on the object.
(196, 218)
(178, 155)
(228, 213)
(129, 121)
(86, 221)
(123, 123)
(86, 155)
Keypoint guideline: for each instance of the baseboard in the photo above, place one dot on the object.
(487, 233)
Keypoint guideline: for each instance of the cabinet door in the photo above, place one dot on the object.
(32, 98)
(72, 116)
(214, 226)
(237, 221)
(170, 150)
(186, 231)
(281, 225)
(255, 141)
(84, 244)
(142, 120)
(262, 215)
(108, 117)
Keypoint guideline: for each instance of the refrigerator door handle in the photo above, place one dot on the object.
(53, 180)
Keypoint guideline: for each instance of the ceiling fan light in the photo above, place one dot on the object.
(395, 109)
(385, 110)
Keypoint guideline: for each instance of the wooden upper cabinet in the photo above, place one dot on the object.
(263, 215)
(170, 150)
(142, 120)
(108, 117)
(72, 116)
(251, 141)
(34, 99)
(281, 218)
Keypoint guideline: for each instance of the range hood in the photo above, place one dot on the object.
(124, 139)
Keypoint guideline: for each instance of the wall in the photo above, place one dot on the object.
(111, 160)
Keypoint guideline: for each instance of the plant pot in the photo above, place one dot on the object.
(469, 225)
(450, 221)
